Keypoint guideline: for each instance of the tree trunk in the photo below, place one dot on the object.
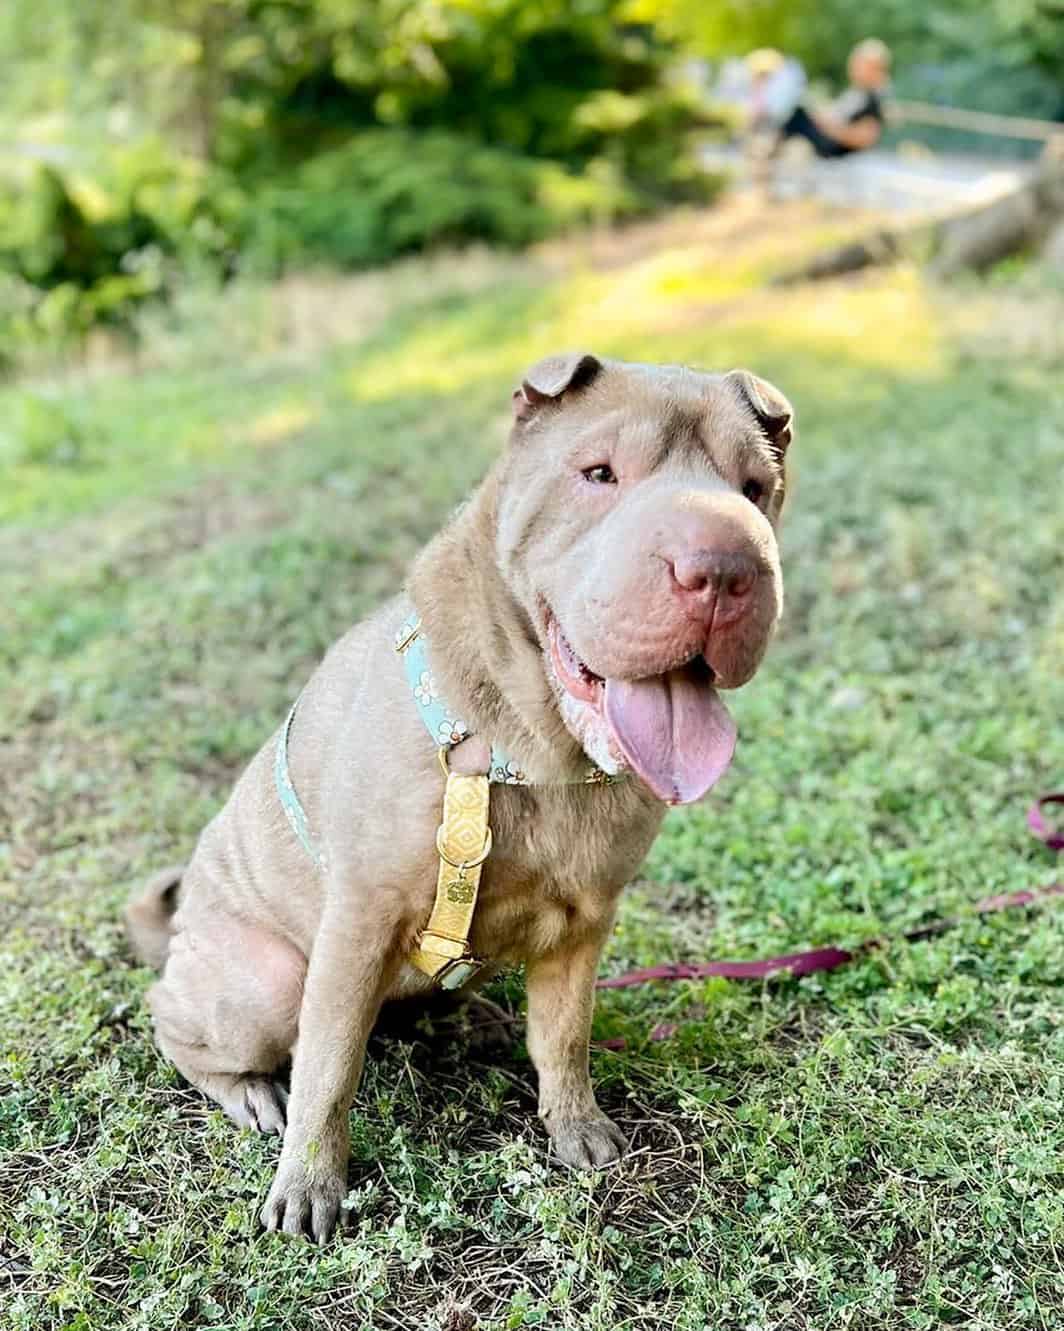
(959, 240)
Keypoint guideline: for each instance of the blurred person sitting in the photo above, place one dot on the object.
(771, 87)
(854, 122)
(775, 84)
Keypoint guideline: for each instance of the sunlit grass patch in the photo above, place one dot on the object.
(280, 423)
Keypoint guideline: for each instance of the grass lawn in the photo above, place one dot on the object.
(877, 1148)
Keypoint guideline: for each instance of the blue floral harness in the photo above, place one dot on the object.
(443, 725)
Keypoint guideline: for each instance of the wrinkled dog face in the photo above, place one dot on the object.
(636, 527)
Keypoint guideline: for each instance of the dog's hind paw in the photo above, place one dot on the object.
(267, 1104)
(257, 1103)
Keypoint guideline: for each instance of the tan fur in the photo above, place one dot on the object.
(266, 957)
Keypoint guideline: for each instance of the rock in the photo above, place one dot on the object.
(980, 238)
(960, 239)
(1053, 250)
(848, 698)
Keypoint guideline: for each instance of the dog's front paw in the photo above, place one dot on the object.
(304, 1200)
(587, 1143)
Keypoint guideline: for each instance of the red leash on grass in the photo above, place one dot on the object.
(828, 958)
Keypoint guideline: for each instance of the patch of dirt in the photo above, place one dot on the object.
(738, 227)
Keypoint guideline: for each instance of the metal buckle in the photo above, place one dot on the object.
(405, 642)
(457, 972)
(462, 865)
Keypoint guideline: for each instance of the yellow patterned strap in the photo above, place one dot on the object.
(464, 842)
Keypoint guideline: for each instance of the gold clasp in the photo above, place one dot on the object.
(401, 647)
(465, 816)
(462, 865)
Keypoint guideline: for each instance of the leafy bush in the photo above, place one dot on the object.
(388, 192)
(322, 133)
(651, 137)
(84, 243)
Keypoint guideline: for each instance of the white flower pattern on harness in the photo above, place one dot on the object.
(425, 691)
(448, 730)
(452, 732)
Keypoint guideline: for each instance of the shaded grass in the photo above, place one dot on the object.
(875, 1148)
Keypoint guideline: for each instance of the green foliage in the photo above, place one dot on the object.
(85, 243)
(42, 431)
(388, 192)
(649, 137)
(52, 240)
(227, 132)
(391, 191)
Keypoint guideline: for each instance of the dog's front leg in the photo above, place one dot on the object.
(347, 978)
(561, 998)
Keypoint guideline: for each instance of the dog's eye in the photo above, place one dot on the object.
(601, 475)
(754, 491)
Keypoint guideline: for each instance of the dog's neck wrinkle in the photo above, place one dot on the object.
(489, 661)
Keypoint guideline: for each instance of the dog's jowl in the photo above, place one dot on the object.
(474, 772)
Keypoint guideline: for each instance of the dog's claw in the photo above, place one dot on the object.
(303, 1206)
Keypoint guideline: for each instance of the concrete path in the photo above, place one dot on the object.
(909, 182)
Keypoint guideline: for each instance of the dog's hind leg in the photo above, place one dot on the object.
(256, 1102)
(226, 1013)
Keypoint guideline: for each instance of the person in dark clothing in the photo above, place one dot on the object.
(856, 120)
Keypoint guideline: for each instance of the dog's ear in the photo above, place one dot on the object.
(771, 409)
(549, 378)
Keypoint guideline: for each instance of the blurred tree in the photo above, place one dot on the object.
(224, 73)
(236, 77)
(149, 133)
(1038, 26)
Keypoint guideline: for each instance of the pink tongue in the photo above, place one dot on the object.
(674, 730)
